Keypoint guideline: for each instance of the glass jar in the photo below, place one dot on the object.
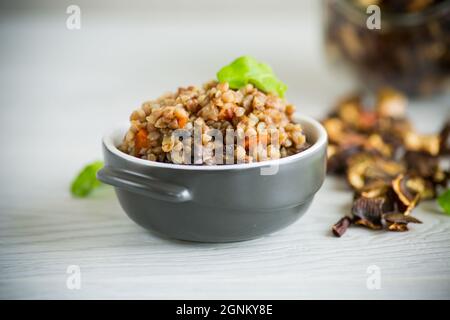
(410, 52)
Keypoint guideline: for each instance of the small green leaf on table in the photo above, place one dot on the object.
(86, 181)
(444, 201)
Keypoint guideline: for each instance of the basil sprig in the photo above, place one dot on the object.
(86, 181)
(444, 201)
(246, 70)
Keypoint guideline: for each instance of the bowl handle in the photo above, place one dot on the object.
(143, 185)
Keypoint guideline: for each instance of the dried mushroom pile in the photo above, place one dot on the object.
(386, 162)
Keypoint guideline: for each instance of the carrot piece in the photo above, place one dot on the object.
(226, 114)
(182, 121)
(182, 117)
(141, 141)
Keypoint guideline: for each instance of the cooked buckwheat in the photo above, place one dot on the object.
(262, 121)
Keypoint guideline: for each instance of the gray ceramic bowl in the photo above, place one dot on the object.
(216, 203)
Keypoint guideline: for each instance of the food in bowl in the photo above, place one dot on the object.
(244, 125)
(218, 203)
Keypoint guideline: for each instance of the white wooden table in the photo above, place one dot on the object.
(60, 90)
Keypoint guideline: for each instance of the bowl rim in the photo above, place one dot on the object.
(108, 142)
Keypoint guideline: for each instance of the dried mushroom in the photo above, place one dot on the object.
(395, 217)
(422, 186)
(338, 157)
(426, 143)
(399, 227)
(363, 168)
(368, 212)
(405, 194)
(349, 110)
(373, 189)
(389, 166)
(444, 140)
(391, 104)
(341, 226)
(398, 221)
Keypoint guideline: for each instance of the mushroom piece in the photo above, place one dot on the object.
(389, 166)
(444, 140)
(368, 212)
(396, 217)
(396, 221)
(338, 157)
(364, 168)
(341, 226)
(391, 103)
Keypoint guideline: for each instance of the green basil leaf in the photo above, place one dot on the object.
(444, 201)
(86, 180)
(246, 70)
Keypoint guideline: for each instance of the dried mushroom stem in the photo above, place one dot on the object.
(341, 226)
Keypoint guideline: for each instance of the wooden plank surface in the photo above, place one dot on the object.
(60, 90)
(120, 260)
